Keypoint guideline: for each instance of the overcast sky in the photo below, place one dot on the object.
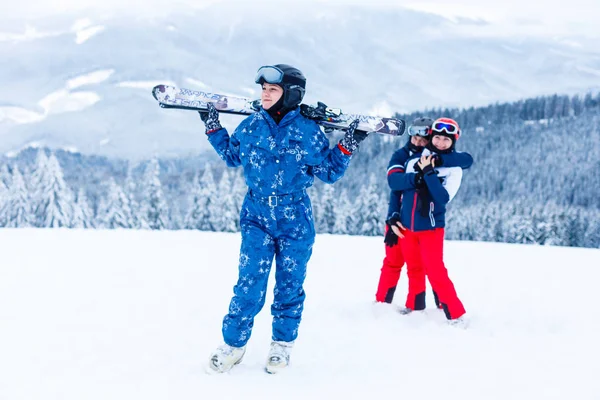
(548, 17)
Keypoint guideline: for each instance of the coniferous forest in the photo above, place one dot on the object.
(534, 180)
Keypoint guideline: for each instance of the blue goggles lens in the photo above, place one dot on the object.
(422, 131)
(269, 74)
(442, 126)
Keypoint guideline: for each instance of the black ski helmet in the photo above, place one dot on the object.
(293, 83)
(420, 127)
(420, 123)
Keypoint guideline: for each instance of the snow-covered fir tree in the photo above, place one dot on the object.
(196, 205)
(342, 211)
(3, 199)
(82, 214)
(53, 200)
(371, 209)
(131, 190)
(555, 226)
(5, 176)
(201, 213)
(239, 193)
(521, 229)
(327, 218)
(35, 180)
(113, 210)
(155, 213)
(16, 209)
(225, 215)
(592, 234)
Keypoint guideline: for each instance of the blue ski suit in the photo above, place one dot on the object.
(280, 162)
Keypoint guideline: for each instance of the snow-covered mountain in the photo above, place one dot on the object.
(83, 81)
(126, 314)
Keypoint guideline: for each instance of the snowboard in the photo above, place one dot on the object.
(329, 118)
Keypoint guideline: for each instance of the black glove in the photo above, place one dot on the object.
(210, 117)
(391, 239)
(417, 167)
(439, 161)
(419, 180)
(428, 169)
(318, 112)
(351, 139)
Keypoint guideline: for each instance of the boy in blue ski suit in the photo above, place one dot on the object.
(281, 152)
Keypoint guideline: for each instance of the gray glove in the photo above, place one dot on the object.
(210, 117)
(351, 139)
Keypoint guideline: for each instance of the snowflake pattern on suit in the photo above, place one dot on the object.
(280, 162)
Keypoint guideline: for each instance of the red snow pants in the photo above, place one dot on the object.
(390, 272)
(424, 255)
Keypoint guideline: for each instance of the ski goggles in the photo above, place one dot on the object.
(269, 74)
(422, 131)
(444, 127)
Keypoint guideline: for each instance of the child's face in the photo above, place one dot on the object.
(419, 141)
(441, 142)
(270, 95)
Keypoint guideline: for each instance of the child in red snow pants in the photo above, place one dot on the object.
(390, 273)
(424, 255)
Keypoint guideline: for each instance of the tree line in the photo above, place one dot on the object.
(534, 180)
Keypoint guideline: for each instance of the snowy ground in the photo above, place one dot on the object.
(134, 315)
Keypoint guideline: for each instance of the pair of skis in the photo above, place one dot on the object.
(329, 118)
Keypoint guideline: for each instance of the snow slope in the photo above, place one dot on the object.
(135, 314)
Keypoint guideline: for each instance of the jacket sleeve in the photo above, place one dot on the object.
(328, 164)
(394, 205)
(444, 193)
(402, 182)
(397, 177)
(227, 147)
(453, 181)
(456, 159)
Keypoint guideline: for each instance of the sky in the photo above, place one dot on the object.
(508, 17)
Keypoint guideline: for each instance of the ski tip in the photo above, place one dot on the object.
(401, 127)
(156, 89)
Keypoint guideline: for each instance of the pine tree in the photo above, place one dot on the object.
(202, 206)
(82, 214)
(342, 211)
(34, 182)
(592, 234)
(16, 209)
(369, 205)
(196, 205)
(239, 193)
(523, 229)
(3, 200)
(114, 211)
(224, 212)
(53, 199)
(5, 176)
(130, 189)
(575, 228)
(155, 211)
(327, 216)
